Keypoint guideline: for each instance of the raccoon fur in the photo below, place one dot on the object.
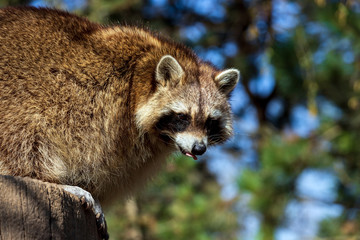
(102, 107)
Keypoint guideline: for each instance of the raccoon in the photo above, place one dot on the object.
(102, 107)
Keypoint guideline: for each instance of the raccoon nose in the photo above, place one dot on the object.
(198, 148)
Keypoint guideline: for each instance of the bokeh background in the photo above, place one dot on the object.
(292, 169)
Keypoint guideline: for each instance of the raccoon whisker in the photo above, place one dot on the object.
(218, 138)
(216, 141)
(169, 136)
(167, 142)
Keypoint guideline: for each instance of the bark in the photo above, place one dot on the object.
(31, 209)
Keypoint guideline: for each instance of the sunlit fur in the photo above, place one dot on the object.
(79, 102)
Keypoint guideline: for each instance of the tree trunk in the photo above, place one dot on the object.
(31, 209)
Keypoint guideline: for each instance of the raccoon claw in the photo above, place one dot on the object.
(86, 199)
(101, 225)
(88, 202)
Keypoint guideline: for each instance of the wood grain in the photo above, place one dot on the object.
(32, 209)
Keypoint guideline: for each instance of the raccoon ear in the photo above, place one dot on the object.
(227, 80)
(168, 70)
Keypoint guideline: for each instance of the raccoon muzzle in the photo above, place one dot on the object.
(198, 148)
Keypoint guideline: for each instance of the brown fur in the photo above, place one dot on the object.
(69, 94)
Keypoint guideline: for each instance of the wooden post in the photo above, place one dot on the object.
(31, 210)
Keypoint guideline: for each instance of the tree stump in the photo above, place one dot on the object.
(31, 209)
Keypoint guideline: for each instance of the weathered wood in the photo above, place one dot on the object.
(31, 209)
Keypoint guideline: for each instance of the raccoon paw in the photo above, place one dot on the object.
(102, 226)
(89, 202)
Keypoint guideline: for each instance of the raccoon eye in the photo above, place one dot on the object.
(213, 127)
(174, 122)
(211, 123)
(183, 117)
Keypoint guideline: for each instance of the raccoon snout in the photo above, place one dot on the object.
(191, 145)
(198, 148)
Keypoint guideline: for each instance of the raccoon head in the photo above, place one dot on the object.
(189, 109)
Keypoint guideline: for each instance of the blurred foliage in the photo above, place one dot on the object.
(273, 185)
(183, 203)
(313, 47)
